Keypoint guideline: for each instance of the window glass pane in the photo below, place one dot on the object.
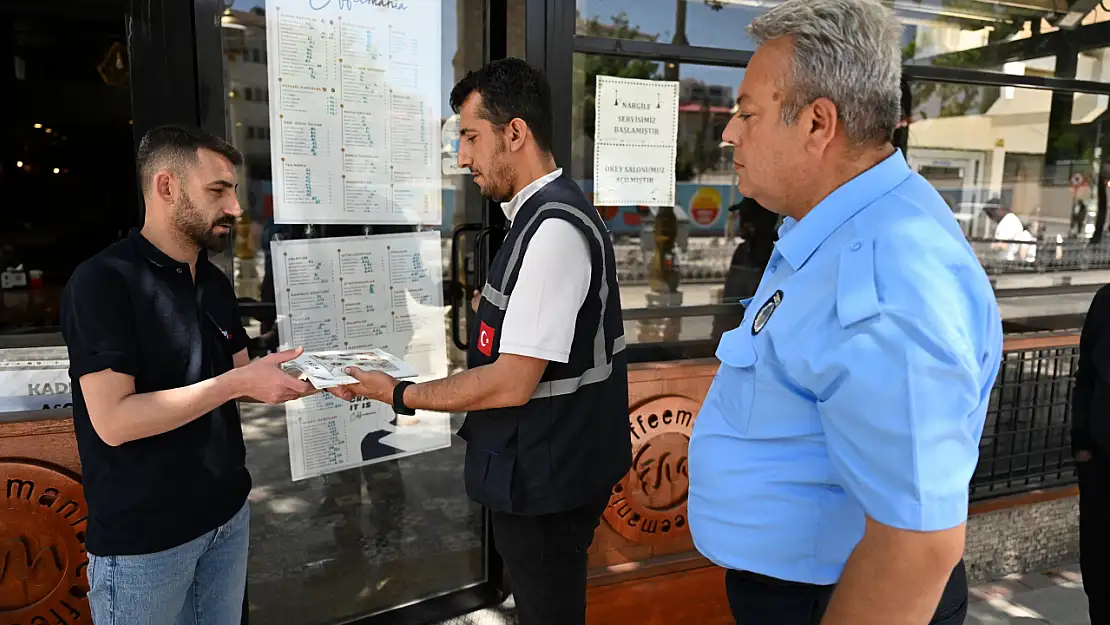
(67, 189)
(360, 541)
(1020, 148)
(950, 33)
(1031, 151)
(1020, 170)
(707, 241)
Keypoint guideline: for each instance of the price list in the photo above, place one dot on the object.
(306, 184)
(323, 443)
(358, 87)
(303, 270)
(364, 88)
(362, 42)
(306, 138)
(362, 133)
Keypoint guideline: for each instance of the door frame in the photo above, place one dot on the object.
(196, 56)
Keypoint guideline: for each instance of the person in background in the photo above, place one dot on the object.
(546, 392)
(832, 457)
(1010, 235)
(158, 357)
(1090, 444)
(757, 229)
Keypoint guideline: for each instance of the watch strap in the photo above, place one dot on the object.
(399, 399)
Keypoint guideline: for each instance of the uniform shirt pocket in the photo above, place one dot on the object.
(756, 396)
(734, 387)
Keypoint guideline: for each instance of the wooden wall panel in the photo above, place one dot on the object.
(695, 597)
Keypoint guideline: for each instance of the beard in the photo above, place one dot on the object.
(500, 180)
(191, 224)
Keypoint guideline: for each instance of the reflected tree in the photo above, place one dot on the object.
(588, 67)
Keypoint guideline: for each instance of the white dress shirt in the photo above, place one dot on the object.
(551, 286)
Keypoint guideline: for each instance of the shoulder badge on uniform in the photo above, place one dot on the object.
(765, 312)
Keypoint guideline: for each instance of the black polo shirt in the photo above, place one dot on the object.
(135, 310)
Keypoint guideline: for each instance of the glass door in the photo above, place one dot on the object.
(357, 515)
(67, 189)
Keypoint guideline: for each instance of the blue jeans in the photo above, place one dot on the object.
(198, 583)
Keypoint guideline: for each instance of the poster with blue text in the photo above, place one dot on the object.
(355, 94)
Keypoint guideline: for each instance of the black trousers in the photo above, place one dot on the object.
(759, 600)
(546, 561)
(1094, 536)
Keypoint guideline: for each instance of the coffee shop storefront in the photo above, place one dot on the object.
(1007, 100)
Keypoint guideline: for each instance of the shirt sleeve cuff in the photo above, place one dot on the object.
(532, 351)
(120, 362)
(935, 515)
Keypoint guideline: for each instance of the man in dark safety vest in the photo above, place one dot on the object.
(546, 391)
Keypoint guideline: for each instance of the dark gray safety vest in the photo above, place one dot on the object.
(569, 444)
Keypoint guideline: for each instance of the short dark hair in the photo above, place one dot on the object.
(510, 88)
(174, 146)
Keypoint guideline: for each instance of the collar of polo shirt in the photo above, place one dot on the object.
(799, 239)
(157, 257)
(512, 206)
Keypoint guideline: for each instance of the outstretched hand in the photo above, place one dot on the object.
(371, 385)
(264, 380)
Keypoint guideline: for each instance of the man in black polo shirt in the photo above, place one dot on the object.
(158, 358)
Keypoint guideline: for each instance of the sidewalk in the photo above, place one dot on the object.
(1051, 598)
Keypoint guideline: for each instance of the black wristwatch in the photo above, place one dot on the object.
(399, 399)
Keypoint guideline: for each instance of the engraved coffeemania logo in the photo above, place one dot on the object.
(649, 504)
(42, 547)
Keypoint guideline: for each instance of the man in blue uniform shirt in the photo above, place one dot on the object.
(830, 463)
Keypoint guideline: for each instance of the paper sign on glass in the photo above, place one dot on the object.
(635, 142)
(355, 111)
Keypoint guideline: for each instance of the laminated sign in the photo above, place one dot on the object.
(635, 142)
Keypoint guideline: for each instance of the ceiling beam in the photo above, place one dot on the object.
(1077, 10)
(997, 54)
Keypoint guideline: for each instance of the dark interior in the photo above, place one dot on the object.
(67, 183)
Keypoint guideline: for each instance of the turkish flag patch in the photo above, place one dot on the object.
(485, 339)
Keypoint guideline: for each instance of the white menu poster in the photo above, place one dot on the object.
(354, 117)
(349, 293)
(635, 142)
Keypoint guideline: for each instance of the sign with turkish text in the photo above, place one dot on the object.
(635, 142)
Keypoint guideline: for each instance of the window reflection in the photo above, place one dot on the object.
(361, 541)
(704, 239)
(1019, 167)
(66, 189)
(947, 33)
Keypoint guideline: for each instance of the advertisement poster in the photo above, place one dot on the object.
(635, 142)
(354, 116)
(359, 293)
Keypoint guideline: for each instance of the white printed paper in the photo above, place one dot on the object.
(635, 142)
(329, 369)
(381, 292)
(354, 113)
(34, 378)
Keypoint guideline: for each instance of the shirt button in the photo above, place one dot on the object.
(855, 246)
(178, 270)
(773, 267)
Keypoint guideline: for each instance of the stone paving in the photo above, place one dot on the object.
(1054, 597)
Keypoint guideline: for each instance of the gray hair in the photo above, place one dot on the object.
(848, 51)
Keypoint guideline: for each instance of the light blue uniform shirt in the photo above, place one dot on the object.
(862, 392)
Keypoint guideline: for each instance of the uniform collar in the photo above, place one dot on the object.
(525, 194)
(156, 256)
(799, 239)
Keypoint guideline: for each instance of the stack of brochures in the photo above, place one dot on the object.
(328, 369)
